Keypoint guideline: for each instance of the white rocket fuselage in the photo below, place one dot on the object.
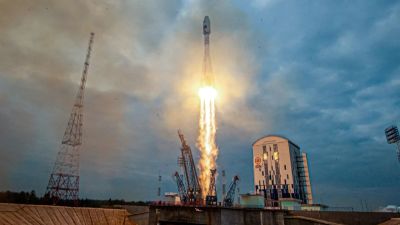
(208, 77)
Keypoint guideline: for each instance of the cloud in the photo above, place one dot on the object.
(323, 74)
(141, 84)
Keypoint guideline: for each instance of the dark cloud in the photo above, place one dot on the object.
(323, 74)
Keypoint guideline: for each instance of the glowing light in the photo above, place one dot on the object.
(276, 155)
(206, 140)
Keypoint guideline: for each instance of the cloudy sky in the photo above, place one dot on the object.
(326, 74)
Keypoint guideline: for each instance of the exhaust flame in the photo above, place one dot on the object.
(206, 140)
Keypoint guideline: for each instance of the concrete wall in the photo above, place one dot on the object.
(356, 218)
(21, 214)
(214, 216)
(179, 215)
(137, 214)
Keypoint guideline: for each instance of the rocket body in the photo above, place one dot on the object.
(208, 77)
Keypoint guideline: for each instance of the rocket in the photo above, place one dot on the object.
(206, 26)
(208, 77)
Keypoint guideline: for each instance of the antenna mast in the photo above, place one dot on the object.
(64, 180)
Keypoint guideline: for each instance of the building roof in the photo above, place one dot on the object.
(276, 135)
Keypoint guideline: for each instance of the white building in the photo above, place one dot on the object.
(172, 198)
(281, 172)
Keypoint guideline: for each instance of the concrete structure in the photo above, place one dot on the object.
(53, 215)
(358, 218)
(139, 215)
(182, 215)
(252, 201)
(281, 172)
(313, 207)
(290, 204)
(172, 198)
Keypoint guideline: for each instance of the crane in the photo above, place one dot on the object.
(230, 196)
(181, 188)
(189, 168)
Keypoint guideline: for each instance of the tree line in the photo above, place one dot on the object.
(31, 198)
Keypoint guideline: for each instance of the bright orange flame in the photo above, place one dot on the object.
(206, 140)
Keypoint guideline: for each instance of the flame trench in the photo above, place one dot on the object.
(206, 140)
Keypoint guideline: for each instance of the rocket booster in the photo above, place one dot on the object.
(208, 77)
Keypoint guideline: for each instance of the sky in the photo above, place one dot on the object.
(325, 74)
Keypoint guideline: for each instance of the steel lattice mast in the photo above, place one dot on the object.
(181, 188)
(230, 196)
(211, 198)
(64, 180)
(189, 169)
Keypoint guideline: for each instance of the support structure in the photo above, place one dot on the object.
(223, 183)
(189, 169)
(398, 151)
(393, 137)
(181, 188)
(159, 185)
(230, 196)
(64, 179)
(211, 198)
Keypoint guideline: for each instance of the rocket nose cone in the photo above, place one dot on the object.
(206, 19)
(206, 25)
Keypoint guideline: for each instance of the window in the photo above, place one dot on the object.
(285, 181)
(276, 155)
(262, 172)
(284, 166)
(287, 175)
(264, 148)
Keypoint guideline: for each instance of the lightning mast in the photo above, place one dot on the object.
(64, 179)
(223, 183)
